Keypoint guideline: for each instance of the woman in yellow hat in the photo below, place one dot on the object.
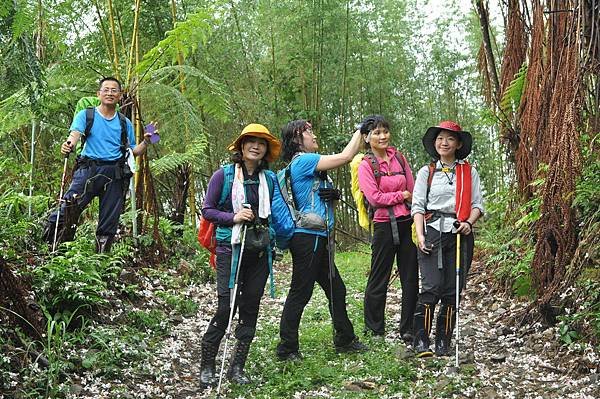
(244, 201)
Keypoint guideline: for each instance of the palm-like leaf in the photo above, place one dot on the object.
(183, 40)
(193, 155)
(512, 95)
(201, 89)
(176, 115)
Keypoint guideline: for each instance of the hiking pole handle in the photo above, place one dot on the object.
(67, 153)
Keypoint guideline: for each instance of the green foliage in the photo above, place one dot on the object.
(207, 93)
(76, 277)
(511, 99)
(587, 193)
(581, 319)
(183, 39)
(506, 241)
(144, 320)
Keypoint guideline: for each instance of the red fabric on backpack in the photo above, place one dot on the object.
(463, 191)
(207, 238)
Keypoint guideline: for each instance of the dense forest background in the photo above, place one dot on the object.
(521, 75)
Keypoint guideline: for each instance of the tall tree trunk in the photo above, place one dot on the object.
(487, 44)
(190, 188)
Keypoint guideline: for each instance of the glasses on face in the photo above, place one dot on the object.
(107, 90)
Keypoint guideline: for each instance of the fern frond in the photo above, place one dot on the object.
(169, 163)
(511, 98)
(14, 112)
(209, 94)
(184, 39)
(179, 119)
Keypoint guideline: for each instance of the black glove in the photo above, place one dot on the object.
(329, 194)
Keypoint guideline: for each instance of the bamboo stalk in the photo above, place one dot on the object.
(113, 35)
(273, 65)
(102, 28)
(134, 44)
(344, 75)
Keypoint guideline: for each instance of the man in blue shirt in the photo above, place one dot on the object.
(314, 197)
(101, 169)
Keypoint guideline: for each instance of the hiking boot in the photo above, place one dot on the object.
(289, 357)
(207, 365)
(421, 346)
(355, 346)
(422, 323)
(443, 329)
(236, 372)
(103, 244)
(408, 338)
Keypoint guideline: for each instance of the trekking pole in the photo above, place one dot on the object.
(330, 259)
(457, 327)
(133, 209)
(330, 252)
(62, 188)
(233, 294)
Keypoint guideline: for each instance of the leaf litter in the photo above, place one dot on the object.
(498, 359)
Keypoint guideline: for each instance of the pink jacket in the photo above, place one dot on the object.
(389, 191)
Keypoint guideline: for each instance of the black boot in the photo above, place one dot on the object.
(443, 329)
(103, 244)
(423, 320)
(207, 365)
(236, 369)
(48, 233)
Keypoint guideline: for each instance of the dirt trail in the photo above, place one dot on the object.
(504, 361)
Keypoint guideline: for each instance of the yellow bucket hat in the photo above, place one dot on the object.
(258, 130)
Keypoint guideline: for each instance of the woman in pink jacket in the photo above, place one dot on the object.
(387, 182)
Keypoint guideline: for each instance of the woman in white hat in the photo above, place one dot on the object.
(447, 193)
(243, 197)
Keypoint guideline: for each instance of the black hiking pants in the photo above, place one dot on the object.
(383, 254)
(253, 274)
(310, 258)
(439, 284)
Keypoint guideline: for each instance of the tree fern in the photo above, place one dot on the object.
(184, 39)
(511, 98)
(194, 154)
(14, 112)
(207, 92)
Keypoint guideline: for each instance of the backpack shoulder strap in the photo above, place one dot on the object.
(372, 161)
(270, 175)
(402, 161)
(431, 169)
(228, 171)
(90, 112)
(124, 137)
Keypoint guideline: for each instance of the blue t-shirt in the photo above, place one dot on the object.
(104, 142)
(303, 171)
